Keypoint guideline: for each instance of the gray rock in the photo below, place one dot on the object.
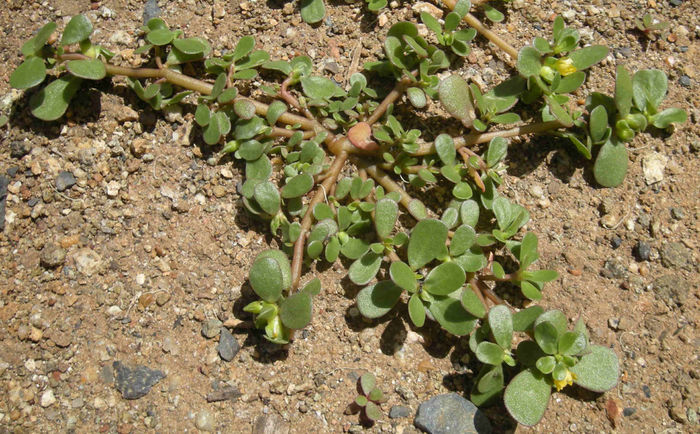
(20, 148)
(642, 250)
(224, 393)
(399, 411)
(614, 269)
(270, 424)
(211, 328)
(228, 345)
(64, 181)
(4, 182)
(671, 289)
(52, 255)
(134, 383)
(676, 255)
(451, 414)
(150, 11)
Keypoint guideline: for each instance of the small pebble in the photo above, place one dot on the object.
(47, 398)
(642, 251)
(615, 242)
(65, 180)
(228, 346)
(211, 328)
(205, 421)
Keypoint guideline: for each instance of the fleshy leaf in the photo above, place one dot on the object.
(295, 310)
(444, 279)
(266, 279)
(386, 212)
(416, 310)
(92, 69)
(527, 396)
(29, 74)
(489, 353)
(456, 97)
(524, 319)
(78, 29)
(298, 186)
(32, 46)
(598, 370)
(472, 304)
(377, 300)
(611, 163)
(427, 242)
(52, 101)
(282, 261)
(501, 324)
(529, 62)
(364, 269)
(586, 57)
(451, 316)
(312, 11)
(463, 238)
(367, 383)
(402, 275)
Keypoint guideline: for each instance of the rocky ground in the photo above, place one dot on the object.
(125, 250)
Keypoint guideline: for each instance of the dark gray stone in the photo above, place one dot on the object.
(150, 11)
(451, 414)
(224, 393)
(399, 411)
(64, 181)
(672, 289)
(134, 383)
(20, 148)
(676, 255)
(228, 345)
(4, 182)
(685, 81)
(642, 251)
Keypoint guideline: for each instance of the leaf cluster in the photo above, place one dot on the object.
(368, 401)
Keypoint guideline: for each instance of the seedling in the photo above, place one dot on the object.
(368, 401)
(651, 27)
(446, 262)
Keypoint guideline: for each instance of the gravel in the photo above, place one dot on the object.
(134, 383)
(52, 255)
(65, 180)
(451, 414)
(228, 345)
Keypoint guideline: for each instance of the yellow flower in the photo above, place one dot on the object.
(565, 66)
(567, 381)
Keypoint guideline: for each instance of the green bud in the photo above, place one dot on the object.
(636, 121)
(623, 130)
(254, 307)
(88, 49)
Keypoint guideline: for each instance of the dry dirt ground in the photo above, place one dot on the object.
(157, 245)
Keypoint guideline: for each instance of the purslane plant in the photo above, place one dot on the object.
(330, 168)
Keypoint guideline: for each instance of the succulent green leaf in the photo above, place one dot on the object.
(372, 411)
(649, 89)
(312, 11)
(463, 238)
(611, 163)
(274, 111)
(469, 212)
(298, 186)
(489, 383)
(472, 303)
(386, 212)
(546, 364)
(472, 260)
(489, 353)
(354, 248)
(456, 98)
(267, 196)
(586, 57)
(52, 101)
(160, 36)
(313, 287)
(377, 300)
(427, 242)
(540, 275)
(202, 115)
(498, 147)
(402, 275)
(445, 147)
(528, 352)
(191, 45)
(243, 48)
(295, 310)
(623, 91)
(493, 14)
(361, 401)
(501, 324)
(365, 268)
(34, 45)
(669, 116)
(417, 209)
(524, 319)
(444, 279)
(283, 262)
(462, 191)
(260, 169)
(547, 337)
(367, 383)
(416, 310)
(451, 316)
(320, 88)
(572, 343)
(558, 111)
(598, 370)
(529, 62)
(598, 123)
(556, 318)
(78, 29)
(245, 109)
(527, 396)
(92, 69)
(29, 73)
(528, 250)
(266, 279)
(571, 82)
(417, 97)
